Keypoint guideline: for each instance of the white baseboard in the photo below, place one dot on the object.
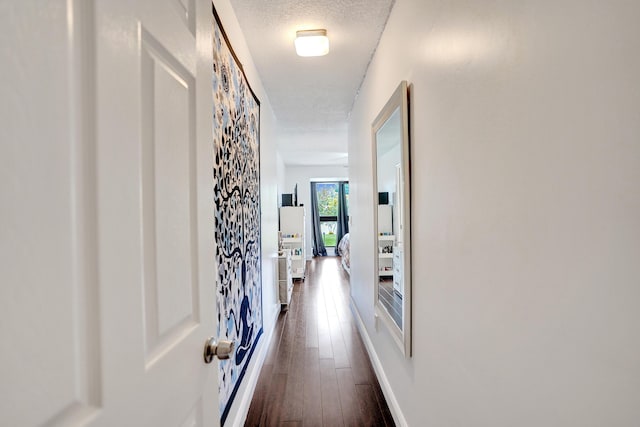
(254, 373)
(394, 407)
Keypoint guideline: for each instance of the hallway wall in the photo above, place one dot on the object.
(269, 176)
(526, 211)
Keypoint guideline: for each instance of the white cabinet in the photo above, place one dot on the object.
(398, 260)
(292, 228)
(385, 255)
(285, 280)
(386, 240)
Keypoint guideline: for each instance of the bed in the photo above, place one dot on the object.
(344, 252)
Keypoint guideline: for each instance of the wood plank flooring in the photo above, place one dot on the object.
(317, 371)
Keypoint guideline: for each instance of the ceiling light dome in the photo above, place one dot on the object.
(312, 43)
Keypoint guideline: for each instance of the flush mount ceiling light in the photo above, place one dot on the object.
(312, 43)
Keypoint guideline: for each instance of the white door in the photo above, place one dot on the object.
(107, 277)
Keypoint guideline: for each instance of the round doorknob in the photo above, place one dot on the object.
(222, 349)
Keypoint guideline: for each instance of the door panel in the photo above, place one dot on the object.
(106, 244)
(48, 296)
(194, 419)
(170, 232)
(187, 12)
(153, 127)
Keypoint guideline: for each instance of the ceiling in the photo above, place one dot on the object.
(312, 97)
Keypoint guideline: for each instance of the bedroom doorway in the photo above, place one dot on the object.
(330, 216)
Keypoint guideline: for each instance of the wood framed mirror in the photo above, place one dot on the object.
(392, 212)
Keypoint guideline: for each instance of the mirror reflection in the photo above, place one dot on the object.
(390, 140)
(389, 239)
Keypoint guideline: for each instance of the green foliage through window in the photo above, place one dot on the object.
(327, 198)
(328, 210)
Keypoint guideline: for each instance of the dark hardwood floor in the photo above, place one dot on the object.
(317, 371)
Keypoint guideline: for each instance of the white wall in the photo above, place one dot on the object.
(526, 211)
(303, 175)
(269, 178)
(281, 178)
(386, 165)
(320, 146)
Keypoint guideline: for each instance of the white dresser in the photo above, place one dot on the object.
(292, 227)
(398, 259)
(285, 279)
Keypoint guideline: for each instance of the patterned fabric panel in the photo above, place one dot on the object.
(236, 184)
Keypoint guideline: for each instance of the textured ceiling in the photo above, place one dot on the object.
(312, 97)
